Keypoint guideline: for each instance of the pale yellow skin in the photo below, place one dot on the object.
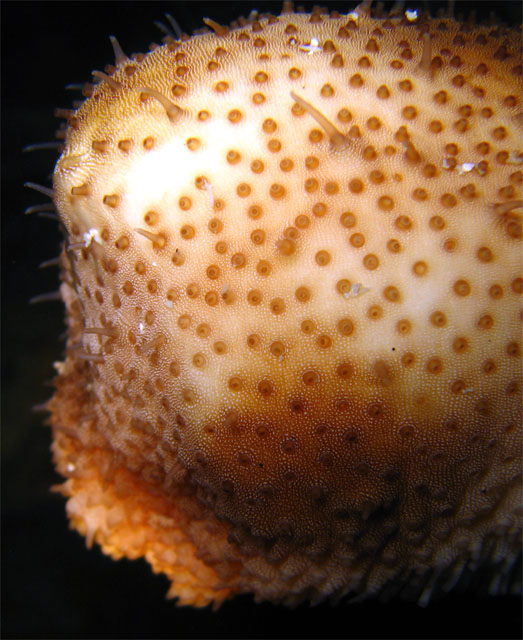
(321, 395)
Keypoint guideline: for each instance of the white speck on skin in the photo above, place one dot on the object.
(312, 47)
(59, 367)
(141, 327)
(208, 187)
(515, 157)
(357, 289)
(465, 167)
(89, 236)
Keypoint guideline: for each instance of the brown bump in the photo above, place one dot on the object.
(347, 220)
(434, 365)
(253, 340)
(357, 240)
(263, 268)
(235, 384)
(408, 359)
(286, 247)
(438, 319)
(303, 294)
(386, 203)
(286, 164)
(391, 294)
(344, 371)
(254, 297)
(266, 389)
(277, 349)
(430, 171)
(517, 285)
(420, 268)
(496, 291)
(324, 341)
(308, 327)
(111, 200)
(213, 271)
(460, 345)
(450, 245)
(458, 386)
(343, 286)
(322, 258)
(394, 245)
(356, 185)
(243, 190)
(122, 243)
(403, 326)
(215, 225)
(486, 322)
(184, 203)
(375, 312)
(238, 260)
(310, 378)
(302, 221)
(211, 298)
(461, 288)
(371, 262)
(277, 306)
(448, 200)
(187, 232)
(513, 350)
(488, 367)
(345, 327)
(383, 92)
(403, 223)
(233, 157)
(277, 191)
(344, 115)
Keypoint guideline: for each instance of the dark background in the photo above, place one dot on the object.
(52, 586)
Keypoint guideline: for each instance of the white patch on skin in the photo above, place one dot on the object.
(166, 170)
(141, 327)
(411, 16)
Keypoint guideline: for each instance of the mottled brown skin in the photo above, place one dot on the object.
(292, 275)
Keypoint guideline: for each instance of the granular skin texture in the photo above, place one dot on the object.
(292, 279)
